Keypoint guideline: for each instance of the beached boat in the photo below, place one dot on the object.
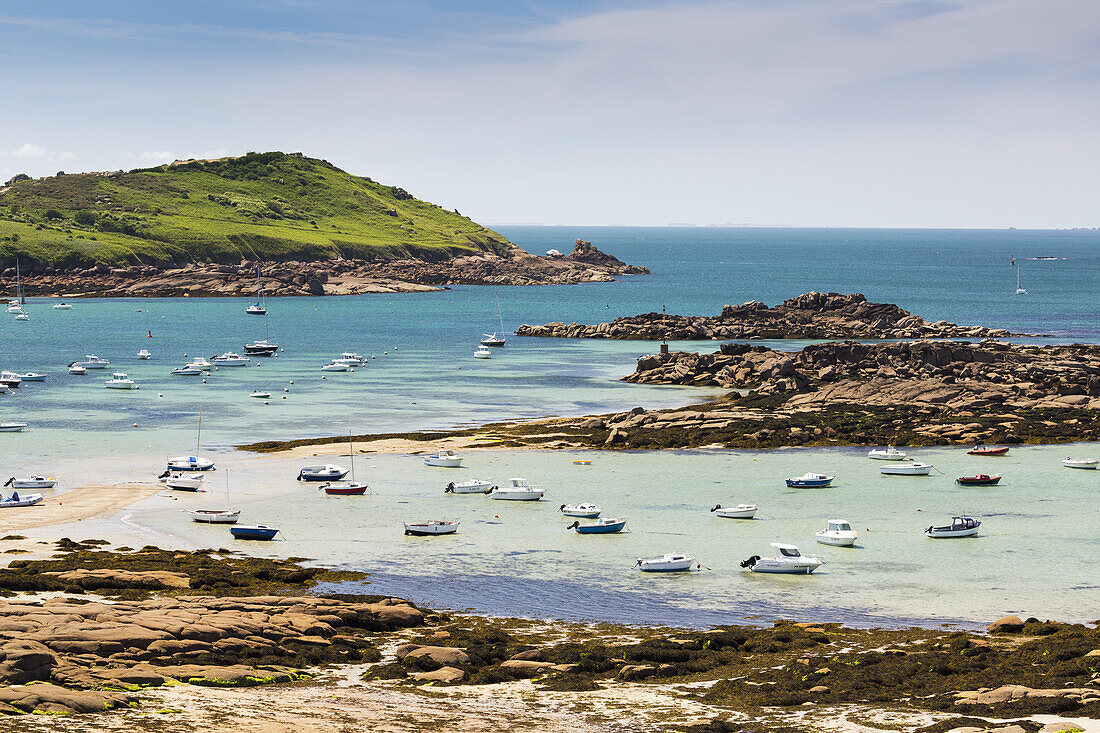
(11, 380)
(144, 354)
(741, 511)
(12, 427)
(959, 527)
(430, 528)
(444, 458)
(600, 526)
(483, 352)
(214, 516)
(1086, 463)
(810, 481)
(517, 490)
(256, 532)
(190, 463)
(907, 469)
(260, 394)
(838, 533)
(473, 486)
(889, 454)
(980, 480)
(15, 500)
(191, 481)
(33, 377)
(987, 450)
(31, 482)
(334, 367)
(665, 564)
(327, 472)
(230, 359)
(119, 380)
(586, 510)
(77, 369)
(787, 560)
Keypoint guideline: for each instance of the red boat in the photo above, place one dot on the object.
(349, 489)
(987, 450)
(980, 480)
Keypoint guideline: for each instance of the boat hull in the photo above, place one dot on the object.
(911, 470)
(785, 568)
(661, 565)
(13, 427)
(33, 484)
(468, 487)
(977, 480)
(609, 528)
(355, 490)
(190, 464)
(1086, 464)
(506, 495)
(430, 530)
(29, 500)
(253, 533)
(987, 451)
(835, 540)
(736, 512)
(938, 533)
(443, 462)
(797, 483)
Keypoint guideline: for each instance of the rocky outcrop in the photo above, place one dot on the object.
(324, 277)
(809, 316)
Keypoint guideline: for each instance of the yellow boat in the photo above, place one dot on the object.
(582, 463)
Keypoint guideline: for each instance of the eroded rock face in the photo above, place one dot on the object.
(808, 316)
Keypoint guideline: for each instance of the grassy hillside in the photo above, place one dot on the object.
(266, 206)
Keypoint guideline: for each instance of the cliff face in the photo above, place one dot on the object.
(809, 316)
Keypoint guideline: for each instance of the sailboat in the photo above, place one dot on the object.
(495, 339)
(216, 516)
(347, 488)
(195, 462)
(259, 308)
(267, 347)
(1019, 290)
(20, 298)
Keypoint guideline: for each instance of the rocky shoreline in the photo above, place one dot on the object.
(116, 631)
(584, 264)
(811, 315)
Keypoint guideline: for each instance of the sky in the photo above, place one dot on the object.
(876, 113)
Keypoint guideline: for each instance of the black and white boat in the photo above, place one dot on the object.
(959, 527)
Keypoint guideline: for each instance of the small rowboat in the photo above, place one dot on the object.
(741, 511)
(430, 529)
(15, 500)
(349, 488)
(980, 480)
(907, 469)
(987, 450)
(1086, 463)
(583, 511)
(959, 527)
(214, 516)
(809, 481)
(601, 526)
(256, 532)
(665, 564)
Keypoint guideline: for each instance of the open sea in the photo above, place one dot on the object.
(1040, 530)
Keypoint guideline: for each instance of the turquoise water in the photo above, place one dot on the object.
(423, 376)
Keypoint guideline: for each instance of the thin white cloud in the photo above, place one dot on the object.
(32, 153)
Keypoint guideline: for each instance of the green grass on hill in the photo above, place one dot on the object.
(260, 206)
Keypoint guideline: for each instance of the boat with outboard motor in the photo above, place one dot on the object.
(15, 500)
(607, 525)
(31, 482)
(444, 458)
(517, 490)
(668, 563)
(810, 481)
(183, 481)
(473, 486)
(980, 480)
(959, 527)
(787, 560)
(741, 511)
(987, 450)
(430, 528)
(586, 510)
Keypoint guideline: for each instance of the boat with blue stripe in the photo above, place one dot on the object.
(601, 526)
(810, 481)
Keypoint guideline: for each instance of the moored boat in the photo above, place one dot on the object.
(144, 354)
(119, 380)
(230, 359)
(907, 469)
(78, 369)
(350, 358)
(959, 527)
(890, 453)
(190, 463)
(33, 377)
(346, 488)
(31, 482)
(741, 511)
(517, 490)
(838, 533)
(606, 525)
(810, 481)
(62, 307)
(473, 486)
(980, 480)
(987, 450)
(787, 560)
(586, 510)
(327, 472)
(668, 563)
(1085, 463)
(334, 367)
(483, 352)
(91, 361)
(187, 371)
(430, 528)
(256, 532)
(261, 348)
(214, 516)
(260, 394)
(12, 427)
(444, 458)
(11, 380)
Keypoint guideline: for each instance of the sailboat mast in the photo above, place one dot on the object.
(351, 454)
(19, 285)
(499, 316)
(198, 436)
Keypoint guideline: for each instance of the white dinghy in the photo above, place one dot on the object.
(787, 560)
(741, 511)
(214, 516)
(1085, 463)
(431, 528)
(668, 563)
(15, 500)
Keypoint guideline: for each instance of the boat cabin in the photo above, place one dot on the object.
(835, 525)
(786, 551)
(518, 483)
(963, 523)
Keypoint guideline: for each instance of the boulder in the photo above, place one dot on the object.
(1006, 625)
(443, 674)
(446, 655)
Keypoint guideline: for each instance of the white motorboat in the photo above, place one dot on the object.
(334, 367)
(32, 482)
(15, 500)
(215, 516)
(11, 380)
(119, 380)
(199, 363)
(190, 463)
(586, 510)
(144, 354)
(444, 458)
(327, 472)
(837, 532)
(959, 527)
(431, 528)
(473, 486)
(260, 394)
(12, 427)
(665, 564)
(517, 490)
(62, 307)
(33, 377)
(907, 469)
(230, 359)
(350, 358)
(1085, 463)
(91, 361)
(741, 511)
(787, 560)
(889, 454)
(186, 371)
(77, 369)
(483, 352)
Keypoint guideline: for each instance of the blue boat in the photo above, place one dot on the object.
(810, 481)
(602, 526)
(258, 532)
